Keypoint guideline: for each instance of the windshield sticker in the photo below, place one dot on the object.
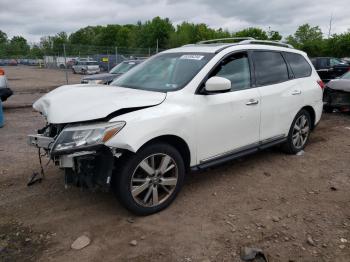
(192, 57)
(171, 86)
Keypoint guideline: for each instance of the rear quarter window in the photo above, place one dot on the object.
(299, 65)
(270, 68)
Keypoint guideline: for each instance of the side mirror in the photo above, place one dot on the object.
(217, 84)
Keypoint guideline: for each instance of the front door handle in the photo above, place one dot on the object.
(252, 102)
(296, 92)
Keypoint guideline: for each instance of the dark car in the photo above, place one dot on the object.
(329, 68)
(115, 72)
(337, 94)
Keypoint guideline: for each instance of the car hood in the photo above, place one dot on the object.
(77, 103)
(105, 76)
(339, 84)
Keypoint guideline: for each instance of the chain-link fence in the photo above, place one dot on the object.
(74, 61)
(106, 57)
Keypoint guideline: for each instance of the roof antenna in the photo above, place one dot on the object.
(330, 26)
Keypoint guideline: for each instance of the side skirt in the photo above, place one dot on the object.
(238, 154)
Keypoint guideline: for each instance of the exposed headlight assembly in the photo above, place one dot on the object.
(73, 137)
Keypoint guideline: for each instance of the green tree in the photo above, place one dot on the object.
(338, 45)
(157, 29)
(3, 44)
(254, 32)
(18, 47)
(3, 37)
(35, 52)
(308, 39)
(274, 36)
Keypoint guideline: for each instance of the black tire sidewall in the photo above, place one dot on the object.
(125, 171)
(289, 146)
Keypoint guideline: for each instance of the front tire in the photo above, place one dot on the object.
(148, 181)
(299, 133)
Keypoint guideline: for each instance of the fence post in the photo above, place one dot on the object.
(65, 62)
(108, 60)
(116, 55)
(157, 47)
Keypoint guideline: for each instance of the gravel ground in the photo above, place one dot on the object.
(295, 208)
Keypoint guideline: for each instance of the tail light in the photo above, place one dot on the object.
(2, 72)
(321, 84)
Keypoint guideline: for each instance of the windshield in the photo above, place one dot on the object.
(164, 72)
(122, 68)
(346, 76)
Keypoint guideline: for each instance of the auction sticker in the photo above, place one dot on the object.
(192, 57)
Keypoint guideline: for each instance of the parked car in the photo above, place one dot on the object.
(329, 68)
(86, 67)
(108, 61)
(5, 91)
(184, 109)
(12, 62)
(337, 94)
(116, 72)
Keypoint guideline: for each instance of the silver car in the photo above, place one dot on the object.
(86, 67)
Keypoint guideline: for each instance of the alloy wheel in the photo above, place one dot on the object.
(154, 180)
(301, 131)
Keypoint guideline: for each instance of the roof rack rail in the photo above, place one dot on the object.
(239, 39)
(265, 42)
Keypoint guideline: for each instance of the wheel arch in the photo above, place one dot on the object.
(312, 113)
(175, 141)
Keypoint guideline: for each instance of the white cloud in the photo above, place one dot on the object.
(36, 18)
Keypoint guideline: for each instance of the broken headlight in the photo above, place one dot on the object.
(82, 136)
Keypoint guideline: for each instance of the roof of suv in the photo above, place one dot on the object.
(217, 47)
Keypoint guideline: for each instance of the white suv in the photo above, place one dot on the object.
(182, 110)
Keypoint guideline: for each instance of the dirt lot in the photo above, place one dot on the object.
(29, 83)
(269, 200)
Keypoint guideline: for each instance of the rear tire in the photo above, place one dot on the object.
(149, 181)
(299, 133)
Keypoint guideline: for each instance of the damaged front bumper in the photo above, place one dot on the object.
(90, 167)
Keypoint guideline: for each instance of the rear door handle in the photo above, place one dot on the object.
(296, 92)
(252, 102)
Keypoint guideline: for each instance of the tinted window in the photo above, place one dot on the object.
(299, 65)
(236, 69)
(323, 63)
(314, 62)
(270, 68)
(335, 61)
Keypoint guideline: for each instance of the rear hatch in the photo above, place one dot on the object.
(93, 66)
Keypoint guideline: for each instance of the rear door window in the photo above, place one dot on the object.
(270, 68)
(299, 65)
